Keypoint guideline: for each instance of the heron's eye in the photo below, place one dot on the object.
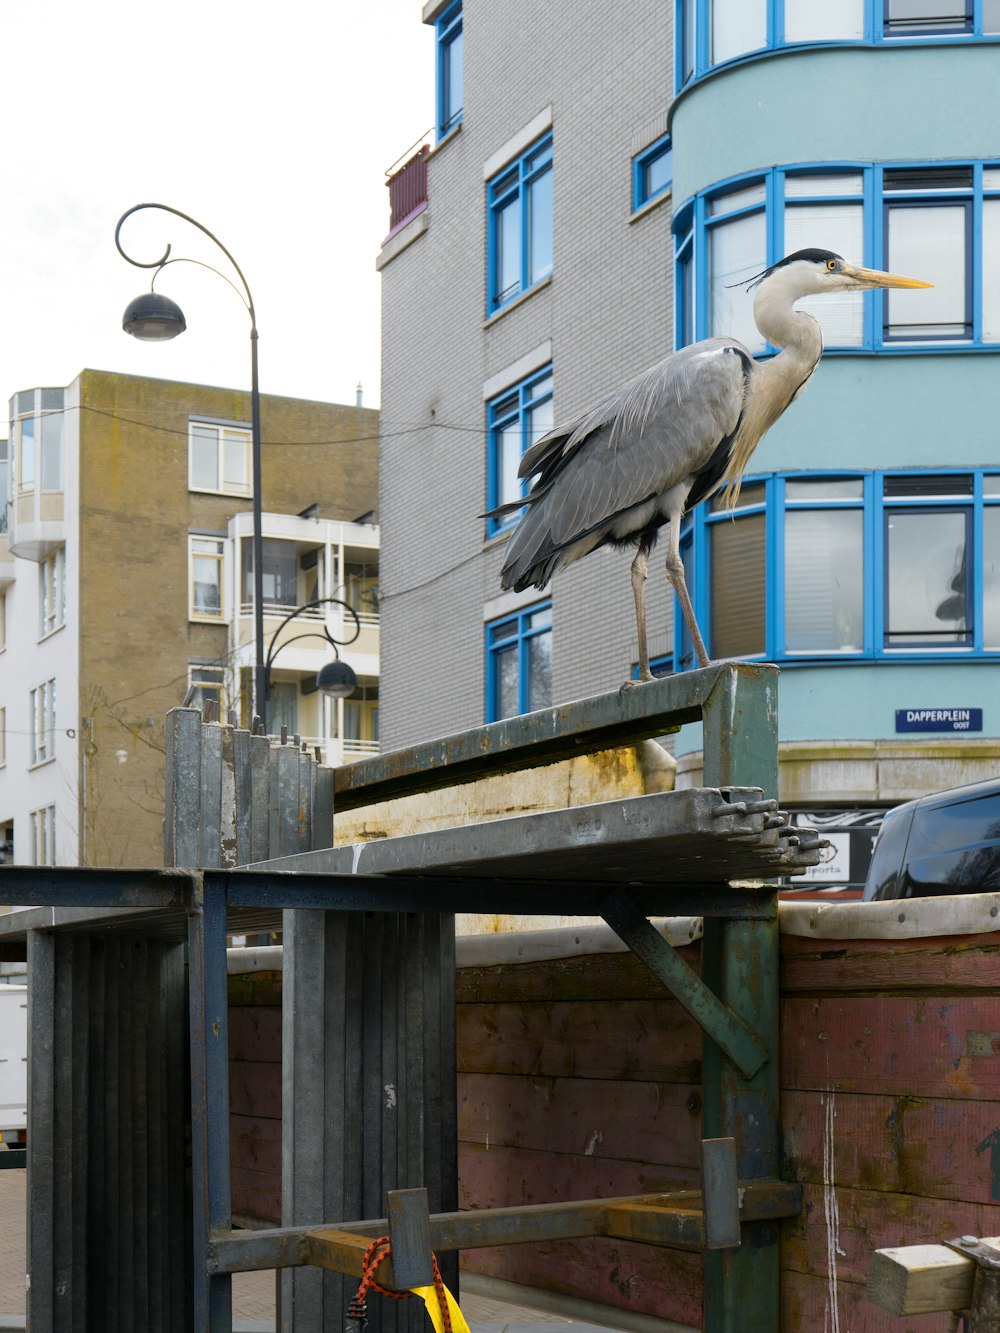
(831, 265)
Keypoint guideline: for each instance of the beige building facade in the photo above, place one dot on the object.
(126, 586)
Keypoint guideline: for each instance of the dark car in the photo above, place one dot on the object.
(947, 842)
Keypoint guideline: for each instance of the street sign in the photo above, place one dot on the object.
(939, 719)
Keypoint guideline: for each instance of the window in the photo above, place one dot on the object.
(514, 420)
(208, 685)
(219, 458)
(519, 663)
(872, 566)
(52, 592)
(206, 560)
(3, 737)
(283, 707)
(938, 223)
(280, 573)
(713, 32)
(448, 30)
(42, 832)
(519, 204)
(4, 483)
(652, 172)
(37, 430)
(42, 721)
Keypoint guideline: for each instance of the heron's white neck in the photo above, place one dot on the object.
(795, 332)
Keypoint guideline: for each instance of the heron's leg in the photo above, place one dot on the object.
(675, 573)
(640, 569)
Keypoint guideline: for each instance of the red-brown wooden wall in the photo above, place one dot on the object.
(577, 1079)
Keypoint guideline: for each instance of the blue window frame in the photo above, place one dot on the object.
(519, 662)
(448, 33)
(515, 419)
(824, 566)
(652, 172)
(710, 33)
(939, 222)
(519, 207)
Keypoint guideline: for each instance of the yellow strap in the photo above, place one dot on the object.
(430, 1298)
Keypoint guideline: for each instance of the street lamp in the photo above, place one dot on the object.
(153, 317)
(336, 678)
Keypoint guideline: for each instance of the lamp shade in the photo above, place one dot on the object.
(153, 318)
(336, 679)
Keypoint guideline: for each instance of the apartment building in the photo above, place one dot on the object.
(126, 586)
(601, 187)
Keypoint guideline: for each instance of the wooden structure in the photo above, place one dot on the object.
(675, 851)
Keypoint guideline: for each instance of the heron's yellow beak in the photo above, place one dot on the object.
(872, 277)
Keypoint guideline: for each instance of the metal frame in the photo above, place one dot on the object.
(735, 1000)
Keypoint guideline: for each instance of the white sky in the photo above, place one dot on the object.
(272, 124)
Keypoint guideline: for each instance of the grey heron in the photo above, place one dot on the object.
(676, 434)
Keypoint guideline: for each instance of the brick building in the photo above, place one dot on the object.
(126, 582)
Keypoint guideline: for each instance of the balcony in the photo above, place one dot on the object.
(36, 524)
(407, 191)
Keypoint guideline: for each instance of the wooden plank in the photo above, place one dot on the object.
(256, 1194)
(617, 1039)
(506, 1177)
(851, 1224)
(917, 1279)
(935, 1048)
(612, 976)
(254, 1089)
(934, 1147)
(946, 966)
(255, 1143)
(650, 1122)
(817, 1305)
(255, 1034)
(622, 1274)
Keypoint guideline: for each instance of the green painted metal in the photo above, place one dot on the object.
(740, 963)
(726, 1028)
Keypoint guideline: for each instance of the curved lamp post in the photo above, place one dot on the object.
(153, 317)
(336, 678)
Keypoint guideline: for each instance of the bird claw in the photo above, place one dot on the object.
(635, 684)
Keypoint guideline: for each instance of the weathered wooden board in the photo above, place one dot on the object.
(255, 1143)
(643, 1278)
(944, 1149)
(254, 1089)
(502, 1177)
(817, 1305)
(256, 1194)
(647, 1122)
(945, 966)
(618, 976)
(255, 1034)
(923, 1047)
(847, 1225)
(615, 1039)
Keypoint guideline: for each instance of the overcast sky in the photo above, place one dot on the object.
(272, 124)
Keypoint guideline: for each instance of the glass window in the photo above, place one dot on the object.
(991, 577)
(42, 719)
(824, 488)
(738, 555)
(519, 203)
(449, 69)
(927, 578)
(51, 429)
(737, 26)
(219, 459)
(824, 581)
(736, 253)
(52, 592)
(42, 833)
(280, 576)
(991, 16)
(909, 18)
(819, 21)
(26, 454)
(798, 186)
(652, 172)
(929, 241)
(840, 228)
(991, 270)
(515, 420)
(519, 663)
(207, 687)
(689, 31)
(206, 557)
(283, 707)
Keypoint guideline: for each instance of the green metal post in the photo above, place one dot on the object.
(740, 963)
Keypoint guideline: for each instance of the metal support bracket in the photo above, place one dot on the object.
(984, 1312)
(729, 1032)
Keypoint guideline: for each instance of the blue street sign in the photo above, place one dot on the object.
(939, 719)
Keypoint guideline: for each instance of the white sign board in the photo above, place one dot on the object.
(835, 862)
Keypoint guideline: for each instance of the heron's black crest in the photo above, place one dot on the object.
(811, 256)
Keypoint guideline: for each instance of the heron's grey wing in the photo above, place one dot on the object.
(660, 430)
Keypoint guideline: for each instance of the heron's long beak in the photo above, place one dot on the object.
(872, 277)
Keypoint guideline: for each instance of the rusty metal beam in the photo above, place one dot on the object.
(533, 739)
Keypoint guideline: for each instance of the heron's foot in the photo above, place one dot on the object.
(631, 684)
